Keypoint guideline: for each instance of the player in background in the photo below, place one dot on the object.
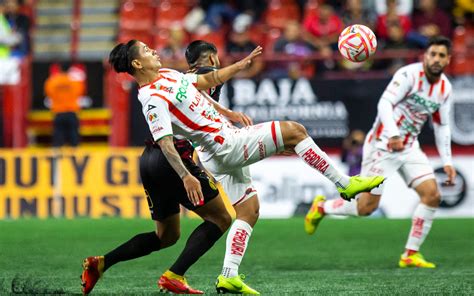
(417, 92)
(165, 191)
(226, 151)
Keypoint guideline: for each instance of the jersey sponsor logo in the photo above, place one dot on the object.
(181, 94)
(239, 242)
(316, 161)
(430, 105)
(150, 107)
(157, 130)
(152, 117)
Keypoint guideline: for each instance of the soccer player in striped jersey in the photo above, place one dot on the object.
(173, 104)
(416, 92)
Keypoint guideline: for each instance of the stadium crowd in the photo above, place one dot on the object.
(305, 29)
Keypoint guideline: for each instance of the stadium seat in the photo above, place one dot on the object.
(277, 14)
(143, 36)
(214, 37)
(169, 14)
(160, 39)
(136, 16)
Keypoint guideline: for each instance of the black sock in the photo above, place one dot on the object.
(199, 242)
(140, 245)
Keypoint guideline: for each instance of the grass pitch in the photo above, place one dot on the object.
(345, 257)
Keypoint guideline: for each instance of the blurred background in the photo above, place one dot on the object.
(71, 130)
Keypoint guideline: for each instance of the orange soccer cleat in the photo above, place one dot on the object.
(93, 267)
(176, 284)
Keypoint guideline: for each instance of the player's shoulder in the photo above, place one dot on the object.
(205, 69)
(410, 69)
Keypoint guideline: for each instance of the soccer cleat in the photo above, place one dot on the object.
(92, 269)
(170, 282)
(414, 260)
(233, 285)
(358, 184)
(314, 215)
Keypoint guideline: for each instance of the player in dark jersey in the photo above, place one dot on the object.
(165, 192)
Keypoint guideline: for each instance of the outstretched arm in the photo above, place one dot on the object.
(191, 184)
(214, 78)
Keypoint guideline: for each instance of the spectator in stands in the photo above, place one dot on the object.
(394, 41)
(8, 38)
(291, 43)
(463, 11)
(429, 21)
(64, 93)
(392, 17)
(404, 7)
(322, 31)
(239, 44)
(173, 53)
(20, 24)
(355, 13)
(214, 13)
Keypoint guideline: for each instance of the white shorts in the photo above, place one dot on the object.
(241, 148)
(412, 164)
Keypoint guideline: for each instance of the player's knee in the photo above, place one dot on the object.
(293, 132)
(223, 221)
(431, 198)
(366, 209)
(168, 239)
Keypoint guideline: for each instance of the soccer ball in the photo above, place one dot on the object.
(357, 43)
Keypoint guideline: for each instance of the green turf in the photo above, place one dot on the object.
(354, 256)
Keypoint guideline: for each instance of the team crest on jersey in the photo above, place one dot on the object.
(396, 83)
(152, 117)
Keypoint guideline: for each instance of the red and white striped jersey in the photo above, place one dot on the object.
(414, 99)
(172, 105)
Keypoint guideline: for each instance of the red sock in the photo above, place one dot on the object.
(410, 252)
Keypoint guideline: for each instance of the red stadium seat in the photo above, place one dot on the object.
(143, 36)
(161, 38)
(217, 38)
(136, 16)
(169, 14)
(277, 15)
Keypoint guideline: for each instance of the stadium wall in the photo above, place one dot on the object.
(101, 182)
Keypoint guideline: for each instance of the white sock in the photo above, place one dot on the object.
(320, 161)
(236, 244)
(342, 207)
(420, 227)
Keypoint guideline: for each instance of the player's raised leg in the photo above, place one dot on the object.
(247, 212)
(421, 225)
(296, 137)
(216, 221)
(166, 234)
(365, 205)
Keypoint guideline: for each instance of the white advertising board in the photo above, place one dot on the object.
(285, 182)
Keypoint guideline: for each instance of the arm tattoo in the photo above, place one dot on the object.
(168, 149)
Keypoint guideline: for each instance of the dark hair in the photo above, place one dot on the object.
(197, 49)
(440, 40)
(122, 55)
